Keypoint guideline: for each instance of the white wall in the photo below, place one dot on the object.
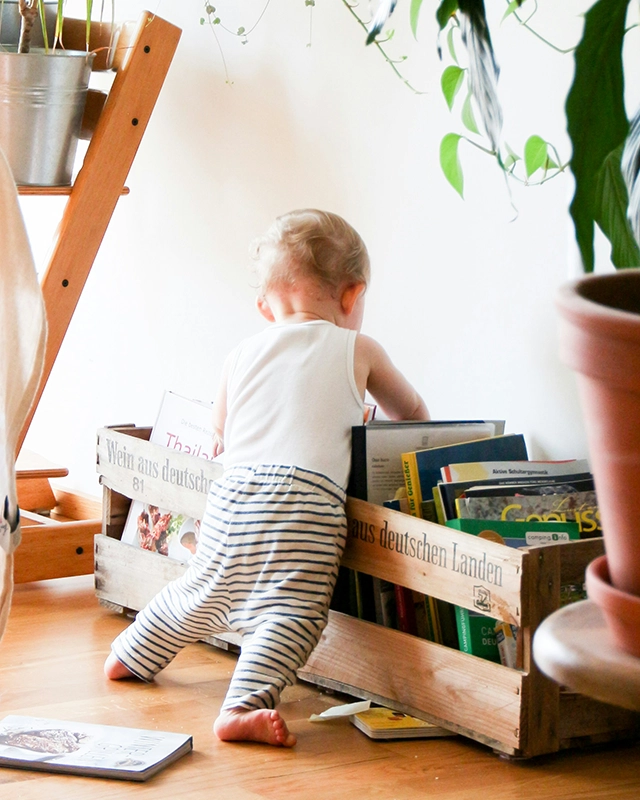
(462, 293)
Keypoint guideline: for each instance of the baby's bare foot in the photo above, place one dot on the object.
(115, 670)
(263, 725)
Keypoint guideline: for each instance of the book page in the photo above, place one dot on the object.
(387, 441)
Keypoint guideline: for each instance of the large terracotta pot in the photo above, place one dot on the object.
(600, 340)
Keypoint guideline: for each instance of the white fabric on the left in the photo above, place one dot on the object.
(22, 343)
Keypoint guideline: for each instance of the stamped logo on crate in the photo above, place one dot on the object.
(436, 560)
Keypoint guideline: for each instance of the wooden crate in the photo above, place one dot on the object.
(517, 712)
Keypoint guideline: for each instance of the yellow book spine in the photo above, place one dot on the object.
(412, 483)
(437, 499)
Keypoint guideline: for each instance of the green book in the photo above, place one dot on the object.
(476, 632)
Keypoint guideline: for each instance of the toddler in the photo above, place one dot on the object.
(274, 528)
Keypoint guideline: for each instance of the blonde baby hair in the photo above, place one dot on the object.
(308, 244)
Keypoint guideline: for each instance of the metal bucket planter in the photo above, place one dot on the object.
(42, 98)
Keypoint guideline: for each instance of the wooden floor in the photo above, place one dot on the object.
(51, 664)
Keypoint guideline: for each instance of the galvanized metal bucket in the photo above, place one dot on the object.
(42, 98)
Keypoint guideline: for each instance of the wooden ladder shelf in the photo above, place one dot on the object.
(143, 54)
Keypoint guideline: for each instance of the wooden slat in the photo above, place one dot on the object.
(92, 110)
(35, 494)
(54, 191)
(155, 474)
(463, 693)
(33, 465)
(115, 510)
(584, 720)
(74, 505)
(129, 577)
(119, 568)
(574, 559)
(540, 697)
(100, 181)
(436, 560)
(55, 551)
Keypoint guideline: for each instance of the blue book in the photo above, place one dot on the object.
(422, 468)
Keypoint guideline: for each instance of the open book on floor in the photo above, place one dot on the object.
(82, 748)
(384, 723)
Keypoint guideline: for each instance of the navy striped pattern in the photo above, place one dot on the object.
(266, 565)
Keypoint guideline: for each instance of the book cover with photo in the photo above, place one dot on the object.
(580, 507)
(448, 493)
(185, 425)
(92, 750)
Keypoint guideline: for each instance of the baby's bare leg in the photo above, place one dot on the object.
(261, 725)
(115, 670)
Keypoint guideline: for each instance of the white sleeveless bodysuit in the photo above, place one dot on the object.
(292, 399)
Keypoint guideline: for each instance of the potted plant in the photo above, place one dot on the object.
(599, 315)
(43, 88)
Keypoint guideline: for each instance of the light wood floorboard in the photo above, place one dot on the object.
(51, 664)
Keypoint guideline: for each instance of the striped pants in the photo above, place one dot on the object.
(266, 564)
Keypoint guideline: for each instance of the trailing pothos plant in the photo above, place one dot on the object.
(605, 159)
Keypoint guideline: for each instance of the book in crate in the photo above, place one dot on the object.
(183, 425)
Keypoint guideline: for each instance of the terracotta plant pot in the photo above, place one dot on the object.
(600, 340)
(620, 610)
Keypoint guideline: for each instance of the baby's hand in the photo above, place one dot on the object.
(218, 445)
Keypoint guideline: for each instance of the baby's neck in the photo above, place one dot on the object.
(303, 306)
(301, 316)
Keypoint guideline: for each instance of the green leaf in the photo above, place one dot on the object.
(513, 6)
(451, 81)
(535, 154)
(468, 117)
(512, 153)
(610, 212)
(509, 162)
(450, 44)
(445, 11)
(596, 120)
(450, 162)
(414, 15)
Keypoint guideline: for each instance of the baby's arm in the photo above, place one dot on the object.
(375, 372)
(220, 412)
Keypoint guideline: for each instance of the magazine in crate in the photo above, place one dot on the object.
(185, 425)
(82, 748)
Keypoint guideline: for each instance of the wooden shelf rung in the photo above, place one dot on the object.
(53, 191)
